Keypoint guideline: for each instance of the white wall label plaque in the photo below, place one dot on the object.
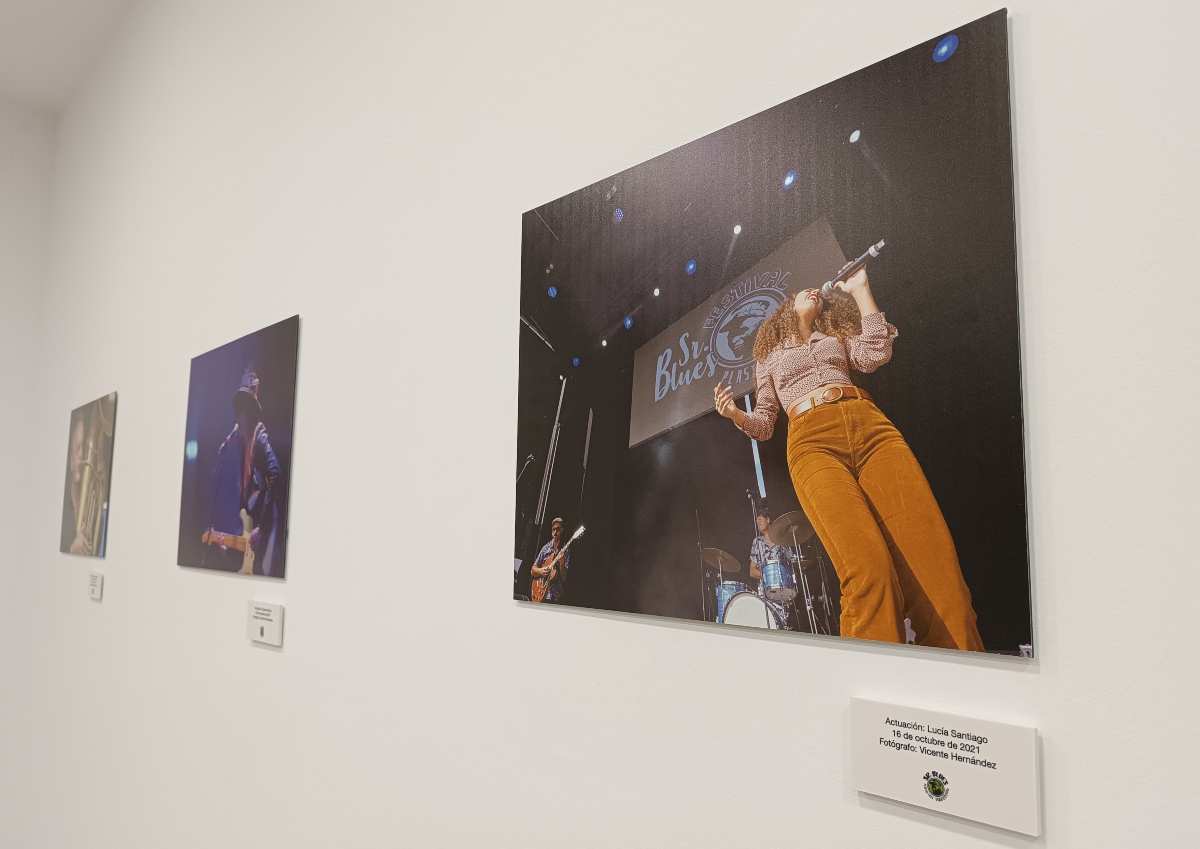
(96, 586)
(971, 768)
(264, 623)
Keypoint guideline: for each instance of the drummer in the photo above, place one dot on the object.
(762, 550)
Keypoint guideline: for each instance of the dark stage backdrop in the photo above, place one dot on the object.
(211, 488)
(931, 172)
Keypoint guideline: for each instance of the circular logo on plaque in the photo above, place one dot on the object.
(732, 339)
(937, 786)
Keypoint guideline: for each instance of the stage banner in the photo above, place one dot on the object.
(674, 373)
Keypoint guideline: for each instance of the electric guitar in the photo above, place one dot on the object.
(537, 592)
(241, 543)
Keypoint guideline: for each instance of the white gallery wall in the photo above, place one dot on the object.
(365, 164)
(25, 163)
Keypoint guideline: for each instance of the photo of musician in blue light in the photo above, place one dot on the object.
(237, 454)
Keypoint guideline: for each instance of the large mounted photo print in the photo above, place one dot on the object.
(772, 378)
(237, 454)
(84, 529)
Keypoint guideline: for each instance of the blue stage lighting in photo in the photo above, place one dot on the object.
(552, 291)
(628, 322)
(789, 179)
(855, 136)
(576, 362)
(618, 214)
(191, 450)
(691, 267)
(945, 48)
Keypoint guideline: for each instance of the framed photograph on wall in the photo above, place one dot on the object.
(84, 529)
(237, 454)
(772, 377)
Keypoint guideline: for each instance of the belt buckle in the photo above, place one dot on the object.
(829, 396)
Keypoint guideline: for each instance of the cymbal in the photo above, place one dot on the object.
(780, 531)
(723, 560)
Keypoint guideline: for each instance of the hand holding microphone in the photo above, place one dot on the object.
(853, 284)
(852, 277)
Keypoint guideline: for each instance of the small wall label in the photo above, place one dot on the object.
(972, 768)
(264, 623)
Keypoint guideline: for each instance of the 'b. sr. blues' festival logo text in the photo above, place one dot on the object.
(726, 344)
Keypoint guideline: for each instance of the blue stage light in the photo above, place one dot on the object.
(191, 449)
(618, 214)
(945, 47)
(576, 362)
(789, 179)
(691, 267)
(855, 136)
(552, 291)
(628, 322)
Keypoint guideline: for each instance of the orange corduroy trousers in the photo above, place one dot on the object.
(871, 506)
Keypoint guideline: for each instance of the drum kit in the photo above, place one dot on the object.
(792, 586)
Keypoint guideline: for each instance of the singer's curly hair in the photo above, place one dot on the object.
(839, 317)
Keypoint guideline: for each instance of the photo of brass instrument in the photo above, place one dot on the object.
(88, 477)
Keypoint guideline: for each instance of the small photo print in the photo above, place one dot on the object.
(89, 477)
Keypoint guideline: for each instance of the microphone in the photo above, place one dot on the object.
(851, 267)
(227, 439)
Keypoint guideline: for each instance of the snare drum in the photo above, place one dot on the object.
(778, 581)
(747, 609)
(725, 591)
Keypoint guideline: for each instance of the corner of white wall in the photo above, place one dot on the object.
(25, 168)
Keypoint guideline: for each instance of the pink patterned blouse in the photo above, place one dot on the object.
(792, 371)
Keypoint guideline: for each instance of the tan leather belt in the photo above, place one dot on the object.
(831, 395)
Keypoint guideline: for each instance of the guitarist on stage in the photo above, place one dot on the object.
(259, 488)
(545, 567)
(259, 479)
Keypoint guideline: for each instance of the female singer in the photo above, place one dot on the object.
(858, 481)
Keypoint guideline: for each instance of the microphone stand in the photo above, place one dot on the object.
(825, 596)
(587, 447)
(753, 516)
(704, 611)
(539, 516)
(808, 599)
(528, 460)
(762, 592)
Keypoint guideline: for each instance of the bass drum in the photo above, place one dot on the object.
(725, 591)
(750, 611)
